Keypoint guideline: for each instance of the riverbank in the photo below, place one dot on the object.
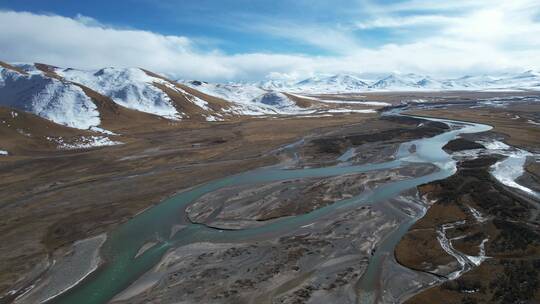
(395, 213)
(54, 199)
(115, 184)
(66, 271)
(91, 192)
(479, 237)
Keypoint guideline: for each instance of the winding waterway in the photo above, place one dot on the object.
(123, 244)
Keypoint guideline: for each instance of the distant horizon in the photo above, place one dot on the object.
(360, 76)
(251, 41)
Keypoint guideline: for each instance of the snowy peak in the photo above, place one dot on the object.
(116, 98)
(86, 99)
(50, 98)
(344, 83)
(250, 99)
(242, 93)
(129, 87)
(333, 83)
(148, 92)
(398, 82)
(274, 84)
(429, 83)
(347, 80)
(527, 74)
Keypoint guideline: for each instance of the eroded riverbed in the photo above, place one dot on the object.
(323, 252)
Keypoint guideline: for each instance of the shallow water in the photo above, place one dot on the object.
(156, 223)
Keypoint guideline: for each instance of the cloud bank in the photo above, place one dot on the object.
(467, 37)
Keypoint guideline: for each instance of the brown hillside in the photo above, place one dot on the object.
(305, 102)
(48, 70)
(23, 133)
(113, 116)
(186, 106)
(10, 67)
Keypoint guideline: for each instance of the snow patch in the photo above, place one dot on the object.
(511, 168)
(101, 130)
(357, 102)
(466, 262)
(365, 111)
(250, 99)
(477, 215)
(83, 142)
(60, 102)
(130, 87)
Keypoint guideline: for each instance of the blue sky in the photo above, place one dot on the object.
(223, 24)
(251, 40)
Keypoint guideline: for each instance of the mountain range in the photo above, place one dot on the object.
(348, 83)
(109, 101)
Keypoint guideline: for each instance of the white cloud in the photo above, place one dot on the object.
(393, 22)
(324, 37)
(483, 36)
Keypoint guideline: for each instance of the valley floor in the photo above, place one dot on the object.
(55, 198)
(52, 199)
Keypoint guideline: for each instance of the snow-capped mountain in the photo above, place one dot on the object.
(28, 89)
(88, 99)
(344, 83)
(111, 98)
(333, 83)
(528, 79)
(398, 82)
(351, 83)
(131, 88)
(274, 84)
(235, 92)
(250, 99)
(430, 83)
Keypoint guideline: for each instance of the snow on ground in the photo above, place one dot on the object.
(417, 100)
(250, 99)
(357, 102)
(275, 100)
(278, 103)
(83, 142)
(507, 170)
(350, 83)
(304, 96)
(130, 87)
(133, 88)
(330, 84)
(63, 103)
(366, 111)
(100, 130)
(465, 261)
(234, 92)
(477, 215)
(196, 100)
(511, 168)
(340, 101)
